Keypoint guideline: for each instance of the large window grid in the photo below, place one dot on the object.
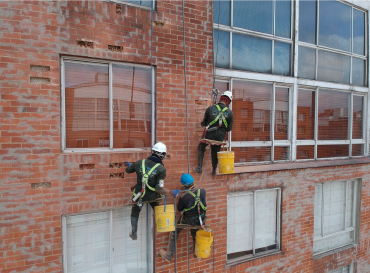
(344, 269)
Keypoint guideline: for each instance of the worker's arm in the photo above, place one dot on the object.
(205, 118)
(181, 204)
(160, 181)
(230, 122)
(204, 199)
(130, 168)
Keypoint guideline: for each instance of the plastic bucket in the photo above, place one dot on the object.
(165, 221)
(203, 242)
(226, 161)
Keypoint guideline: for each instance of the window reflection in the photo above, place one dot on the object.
(222, 48)
(305, 152)
(358, 32)
(307, 63)
(221, 9)
(357, 124)
(307, 21)
(333, 67)
(252, 154)
(327, 151)
(306, 114)
(281, 113)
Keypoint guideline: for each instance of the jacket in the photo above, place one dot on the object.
(187, 201)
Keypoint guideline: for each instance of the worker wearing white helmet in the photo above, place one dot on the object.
(150, 182)
(218, 120)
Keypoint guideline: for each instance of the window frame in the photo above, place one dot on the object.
(350, 269)
(355, 221)
(134, 5)
(108, 64)
(254, 255)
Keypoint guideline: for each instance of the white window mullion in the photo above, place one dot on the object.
(254, 224)
(63, 101)
(231, 51)
(272, 121)
(354, 206)
(345, 205)
(322, 210)
(110, 106)
(316, 126)
(278, 218)
(272, 56)
(293, 120)
(111, 250)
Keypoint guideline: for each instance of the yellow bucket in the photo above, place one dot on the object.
(203, 242)
(226, 161)
(165, 220)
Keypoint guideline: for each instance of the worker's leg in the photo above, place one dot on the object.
(214, 150)
(193, 234)
(201, 150)
(171, 245)
(135, 212)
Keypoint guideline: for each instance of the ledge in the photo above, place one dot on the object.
(249, 258)
(334, 251)
(298, 165)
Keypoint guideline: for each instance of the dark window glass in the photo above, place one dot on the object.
(254, 15)
(305, 115)
(222, 48)
(305, 152)
(221, 10)
(252, 154)
(256, 99)
(132, 107)
(140, 2)
(87, 106)
(282, 20)
(307, 21)
(357, 125)
(358, 72)
(358, 32)
(326, 151)
(333, 67)
(251, 53)
(335, 25)
(306, 63)
(281, 113)
(282, 59)
(357, 149)
(281, 153)
(333, 115)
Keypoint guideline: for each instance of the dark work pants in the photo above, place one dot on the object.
(214, 150)
(147, 197)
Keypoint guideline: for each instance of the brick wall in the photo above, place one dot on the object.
(39, 33)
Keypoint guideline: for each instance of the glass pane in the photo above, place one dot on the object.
(87, 106)
(239, 223)
(326, 151)
(333, 67)
(251, 53)
(281, 113)
(305, 114)
(252, 110)
(349, 210)
(129, 255)
(282, 20)
(305, 152)
(358, 72)
(266, 220)
(282, 59)
(222, 87)
(318, 209)
(357, 126)
(334, 204)
(332, 242)
(357, 149)
(132, 107)
(281, 153)
(252, 154)
(140, 2)
(222, 48)
(254, 15)
(358, 32)
(307, 21)
(335, 25)
(221, 10)
(333, 115)
(306, 63)
(88, 242)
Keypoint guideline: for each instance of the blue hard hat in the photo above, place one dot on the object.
(186, 179)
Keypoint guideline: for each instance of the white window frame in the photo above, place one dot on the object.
(148, 238)
(278, 226)
(108, 64)
(351, 269)
(355, 211)
(133, 5)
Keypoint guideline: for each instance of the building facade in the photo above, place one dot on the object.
(89, 85)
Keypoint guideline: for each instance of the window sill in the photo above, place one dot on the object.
(104, 150)
(122, 2)
(298, 165)
(249, 258)
(333, 251)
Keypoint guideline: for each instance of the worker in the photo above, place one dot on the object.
(218, 120)
(150, 183)
(193, 207)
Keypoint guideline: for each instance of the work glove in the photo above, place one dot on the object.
(127, 164)
(164, 191)
(175, 193)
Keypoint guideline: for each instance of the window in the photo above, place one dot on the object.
(261, 35)
(145, 3)
(253, 223)
(88, 120)
(344, 269)
(336, 213)
(99, 242)
(332, 42)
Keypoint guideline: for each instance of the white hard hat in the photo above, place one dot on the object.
(160, 147)
(228, 94)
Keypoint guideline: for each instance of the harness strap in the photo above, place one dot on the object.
(145, 178)
(197, 201)
(220, 117)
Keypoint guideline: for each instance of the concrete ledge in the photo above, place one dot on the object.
(299, 165)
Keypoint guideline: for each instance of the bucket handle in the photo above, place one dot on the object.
(165, 201)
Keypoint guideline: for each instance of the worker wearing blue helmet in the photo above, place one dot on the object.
(193, 207)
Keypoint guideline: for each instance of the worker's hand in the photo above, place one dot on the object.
(127, 164)
(164, 191)
(175, 193)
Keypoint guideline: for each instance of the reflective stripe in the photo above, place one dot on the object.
(197, 201)
(146, 177)
(219, 116)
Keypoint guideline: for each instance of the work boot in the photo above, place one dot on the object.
(194, 242)
(197, 169)
(133, 233)
(163, 253)
(214, 171)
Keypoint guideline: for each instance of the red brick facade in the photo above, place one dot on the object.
(40, 33)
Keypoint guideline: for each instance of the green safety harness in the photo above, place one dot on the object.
(197, 203)
(144, 180)
(220, 118)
